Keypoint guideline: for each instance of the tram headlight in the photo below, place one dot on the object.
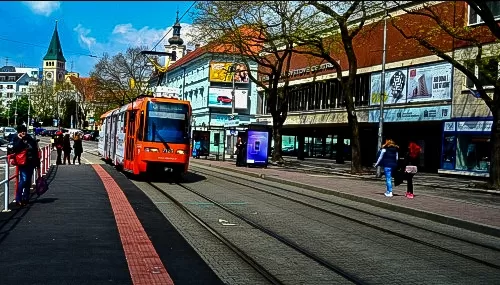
(180, 151)
(151, 149)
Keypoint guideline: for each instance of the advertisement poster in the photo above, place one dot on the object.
(257, 151)
(222, 98)
(395, 87)
(201, 143)
(434, 113)
(221, 72)
(429, 83)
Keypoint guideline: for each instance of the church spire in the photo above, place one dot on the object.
(54, 52)
(176, 34)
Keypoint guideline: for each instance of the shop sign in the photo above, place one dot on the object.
(303, 71)
(449, 127)
(434, 113)
(474, 126)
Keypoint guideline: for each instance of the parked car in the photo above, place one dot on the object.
(223, 99)
(8, 132)
(91, 135)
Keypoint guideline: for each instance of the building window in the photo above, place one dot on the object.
(10, 86)
(12, 78)
(2, 78)
(1, 86)
(23, 89)
(494, 6)
(490, 69)
(10, 95)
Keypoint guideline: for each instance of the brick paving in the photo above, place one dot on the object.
(144, 264)
(458, 209)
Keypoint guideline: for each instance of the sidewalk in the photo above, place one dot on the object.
(94, 226)
(473, 216)
(327, 166)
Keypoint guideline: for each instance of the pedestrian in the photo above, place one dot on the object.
(388, 159)
(58, 145)
(239, 152)
(66, 149)
(411, 160)
(77, 148)
(23, 142)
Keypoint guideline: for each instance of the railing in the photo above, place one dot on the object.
(44, 167)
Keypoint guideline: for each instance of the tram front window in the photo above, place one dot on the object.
(167, 123)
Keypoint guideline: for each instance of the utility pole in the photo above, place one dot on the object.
(76, 110)
(382, 92)
(15, 114)
(233, 70)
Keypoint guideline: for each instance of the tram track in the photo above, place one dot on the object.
(252, 262)
(363, 223)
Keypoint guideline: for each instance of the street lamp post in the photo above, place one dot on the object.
(233, 106)
(15, 113)
(382, 93)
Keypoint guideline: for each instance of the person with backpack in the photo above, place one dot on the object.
(26, 157)
(411, 160)
(388, 159)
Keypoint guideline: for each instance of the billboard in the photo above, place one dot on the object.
(222, 98)
(429, 83)
(418, 114)
(201, 143)
(257, 147)
(395, 87)
(220, 72)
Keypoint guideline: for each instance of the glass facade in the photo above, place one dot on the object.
(466, 146)
(325, 95)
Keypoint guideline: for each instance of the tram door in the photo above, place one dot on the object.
(129, 152)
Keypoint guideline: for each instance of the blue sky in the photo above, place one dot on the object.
(84, 28)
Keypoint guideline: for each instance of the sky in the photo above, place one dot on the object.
(85, 27)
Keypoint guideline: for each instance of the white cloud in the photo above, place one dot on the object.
(122, 37)
(83, 39)
(44, 8)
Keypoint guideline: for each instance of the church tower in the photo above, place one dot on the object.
(175, 45)
(54, 63)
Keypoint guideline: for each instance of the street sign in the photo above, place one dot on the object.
(232, 123)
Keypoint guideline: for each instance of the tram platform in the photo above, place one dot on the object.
(94, 226)
(465, 209)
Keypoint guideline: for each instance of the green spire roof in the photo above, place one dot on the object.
(55, 50)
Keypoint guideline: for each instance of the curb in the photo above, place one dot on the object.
(472, 226)
(433, 185)
(338, 173)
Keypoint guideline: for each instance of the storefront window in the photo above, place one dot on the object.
(449, 151)
(289, 145)
(473, 152)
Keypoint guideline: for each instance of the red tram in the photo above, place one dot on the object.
(149, 135)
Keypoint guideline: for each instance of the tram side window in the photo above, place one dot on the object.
(140, 133)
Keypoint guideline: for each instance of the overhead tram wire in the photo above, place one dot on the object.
(174, 23)
(42, 46)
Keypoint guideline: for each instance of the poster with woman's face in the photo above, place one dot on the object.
(241, 74)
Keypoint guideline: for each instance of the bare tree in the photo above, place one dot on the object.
(123, 76)
(42, 98)
(331, 38)
(255, 32)
(441, 30)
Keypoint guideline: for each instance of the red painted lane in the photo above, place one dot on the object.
(144, 264)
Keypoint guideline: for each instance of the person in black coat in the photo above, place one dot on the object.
(77, 148)
(24, 143)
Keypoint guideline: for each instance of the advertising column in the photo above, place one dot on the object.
(257, 148)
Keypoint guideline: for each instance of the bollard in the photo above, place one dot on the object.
(6, 186)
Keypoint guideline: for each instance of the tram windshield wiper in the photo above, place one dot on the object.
(155, 133)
